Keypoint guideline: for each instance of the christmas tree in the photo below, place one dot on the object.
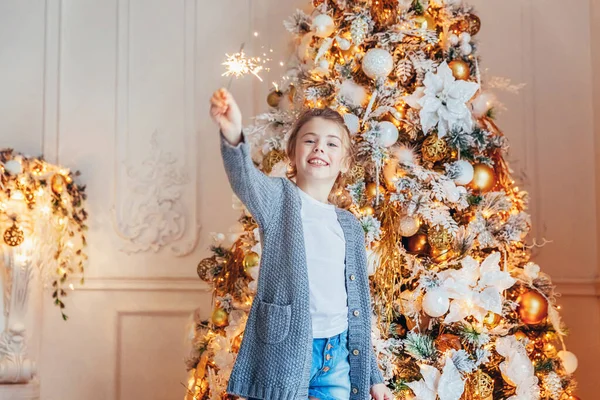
(459, 309)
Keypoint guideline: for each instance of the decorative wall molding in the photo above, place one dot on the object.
(149, 210)
(20, 391)
(52, 66)
(121, 315)
(153, 214)
(145, 285)
(578, 287)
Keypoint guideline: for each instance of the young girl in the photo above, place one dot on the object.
(309, 328)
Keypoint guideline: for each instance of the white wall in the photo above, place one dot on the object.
(88, 83)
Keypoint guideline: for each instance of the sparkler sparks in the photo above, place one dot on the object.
(238, 65)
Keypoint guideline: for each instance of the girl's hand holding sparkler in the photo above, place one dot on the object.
(226, 113)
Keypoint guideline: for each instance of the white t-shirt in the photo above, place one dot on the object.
(325, 258)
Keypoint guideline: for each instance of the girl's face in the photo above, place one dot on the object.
(321, 150)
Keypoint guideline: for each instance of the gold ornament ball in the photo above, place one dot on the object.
(250, 260)
(573, 397)
(367, 210)
(434, 149)
(343, 200)
(460, 69)
(204, 267)
(474, 24)
(274, 98)
(533, 307)
(356, 173)
(58, 183)
(492, 320)
(14, 236)
(460, 26)
(439, 238)
(448, 341)
(272, 158)
(371, 189)
(425, 21)
(483, 385)
(440, 255)
(484, 178)
(220, 318)
(520, 335)
(417, 244)
(550, 349)
(29, 196)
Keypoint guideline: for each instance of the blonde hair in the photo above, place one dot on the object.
(329, 115)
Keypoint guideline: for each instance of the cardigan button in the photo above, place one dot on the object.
(354, 390)
(352, 277)
(355, 352)
(356, 313)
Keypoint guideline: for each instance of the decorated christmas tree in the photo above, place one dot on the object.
(459, 309)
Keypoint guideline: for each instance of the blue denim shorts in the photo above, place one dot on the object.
(330, 370)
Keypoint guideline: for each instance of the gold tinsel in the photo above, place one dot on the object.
(387, 280)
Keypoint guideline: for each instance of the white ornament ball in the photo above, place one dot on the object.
(465, 37)
(466, 173)
(352, 122)
(466, 49)
(453, 39)
(323, 25)
(409, 225)
(436, 302)
(569, 361)
(353, 93)
(13, 167)
(405, 155)
(343, 44)
(482, 104)
(452, 193)
(322, 68)
(377, 63)
(388, 133)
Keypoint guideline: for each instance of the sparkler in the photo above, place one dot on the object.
(238, 65)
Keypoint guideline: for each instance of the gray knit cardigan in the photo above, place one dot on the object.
(275, 356)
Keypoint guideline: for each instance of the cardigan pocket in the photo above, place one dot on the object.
(273, 322)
